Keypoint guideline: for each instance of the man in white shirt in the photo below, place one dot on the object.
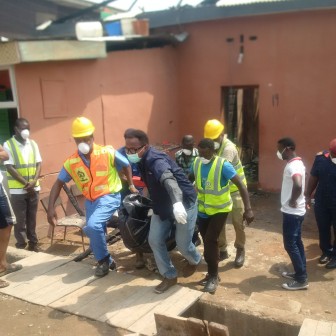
(293, 208)
(23, 171)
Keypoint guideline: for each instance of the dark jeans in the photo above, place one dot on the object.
(210, 229)
(25, 209)
(293, 244)
(326, 220)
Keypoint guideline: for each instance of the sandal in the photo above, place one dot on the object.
(10, 269)
(3, 284)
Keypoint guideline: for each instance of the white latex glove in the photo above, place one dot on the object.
(180, 213)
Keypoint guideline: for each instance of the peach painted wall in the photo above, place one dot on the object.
(127, 89)
(293, 57)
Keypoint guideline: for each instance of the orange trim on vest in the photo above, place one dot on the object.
(93, 182)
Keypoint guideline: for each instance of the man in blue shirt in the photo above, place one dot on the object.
(323, 180)
(174, 202)
(95, 170)
(212, 175)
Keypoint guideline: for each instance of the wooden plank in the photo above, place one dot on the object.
(174, 304)
(33, 268)
(77, 300)
(172, 326)
(323, 328)
(52, 285)
(60, 282)
(308, 327)
(333, 330)
(111, 300)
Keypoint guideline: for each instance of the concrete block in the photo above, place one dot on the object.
(275, 302)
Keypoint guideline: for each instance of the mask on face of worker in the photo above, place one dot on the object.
(186, 151)
(133, 158)
(333, 160)
(217, 145)
(204, 160)
(25, 134)
(84, 148)
(279, 155)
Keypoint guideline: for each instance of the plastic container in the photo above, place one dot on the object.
(127, 27)
(88, 30)
(113, 28)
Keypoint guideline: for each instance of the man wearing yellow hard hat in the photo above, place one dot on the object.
(226, 149)
(94, 169)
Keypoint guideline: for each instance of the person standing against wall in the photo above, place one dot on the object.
(226, 149)
(23, 172)
(94, 169)
(293, 208)
(7, 220)
(323, 180)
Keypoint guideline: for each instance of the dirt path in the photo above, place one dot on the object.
(266, 259)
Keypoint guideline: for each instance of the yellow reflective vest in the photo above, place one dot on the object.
(238, 166)
(26, 169)
(100, 179)
(212, 197)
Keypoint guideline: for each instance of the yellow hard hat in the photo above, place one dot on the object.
(213, 129)
(82, 127)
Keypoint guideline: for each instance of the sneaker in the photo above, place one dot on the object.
(205, 280)
(331, 264)
(211, 284)
(223, 255)
(189, 270)
(288, 275)
(295, 285)
(165, 284)
(21, 246)
(325, 258)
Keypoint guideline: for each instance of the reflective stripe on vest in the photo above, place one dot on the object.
(100, 179)
(212, 198)
(26, 170)
(238, 168)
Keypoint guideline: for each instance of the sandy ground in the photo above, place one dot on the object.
(265, 260)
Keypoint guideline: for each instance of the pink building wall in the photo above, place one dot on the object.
(293, 58)
(127, 89)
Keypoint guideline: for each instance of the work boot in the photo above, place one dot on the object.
(204, 281)
(211, 284)
(103, 268)
(33, 247)
(165, 284)
(332, 263)
(325, 258)
(223, 255)
(240, 257)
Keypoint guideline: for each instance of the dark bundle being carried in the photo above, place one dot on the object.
(134, 224)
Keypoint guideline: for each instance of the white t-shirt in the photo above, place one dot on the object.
(25, 151)
(293, 167)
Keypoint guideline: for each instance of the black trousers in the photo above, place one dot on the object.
(210, 229)
(25, 209)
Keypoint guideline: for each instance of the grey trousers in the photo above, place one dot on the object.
(25, 209)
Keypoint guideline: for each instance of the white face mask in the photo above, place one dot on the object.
(186, 151)
(279, 155)
(204, 160)
(83, 147)
(333, 160)
(25, 134)
(217, 145)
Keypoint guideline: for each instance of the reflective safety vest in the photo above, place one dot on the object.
(212, 198)
(238, 166)
(100, 179)
(26, 169)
